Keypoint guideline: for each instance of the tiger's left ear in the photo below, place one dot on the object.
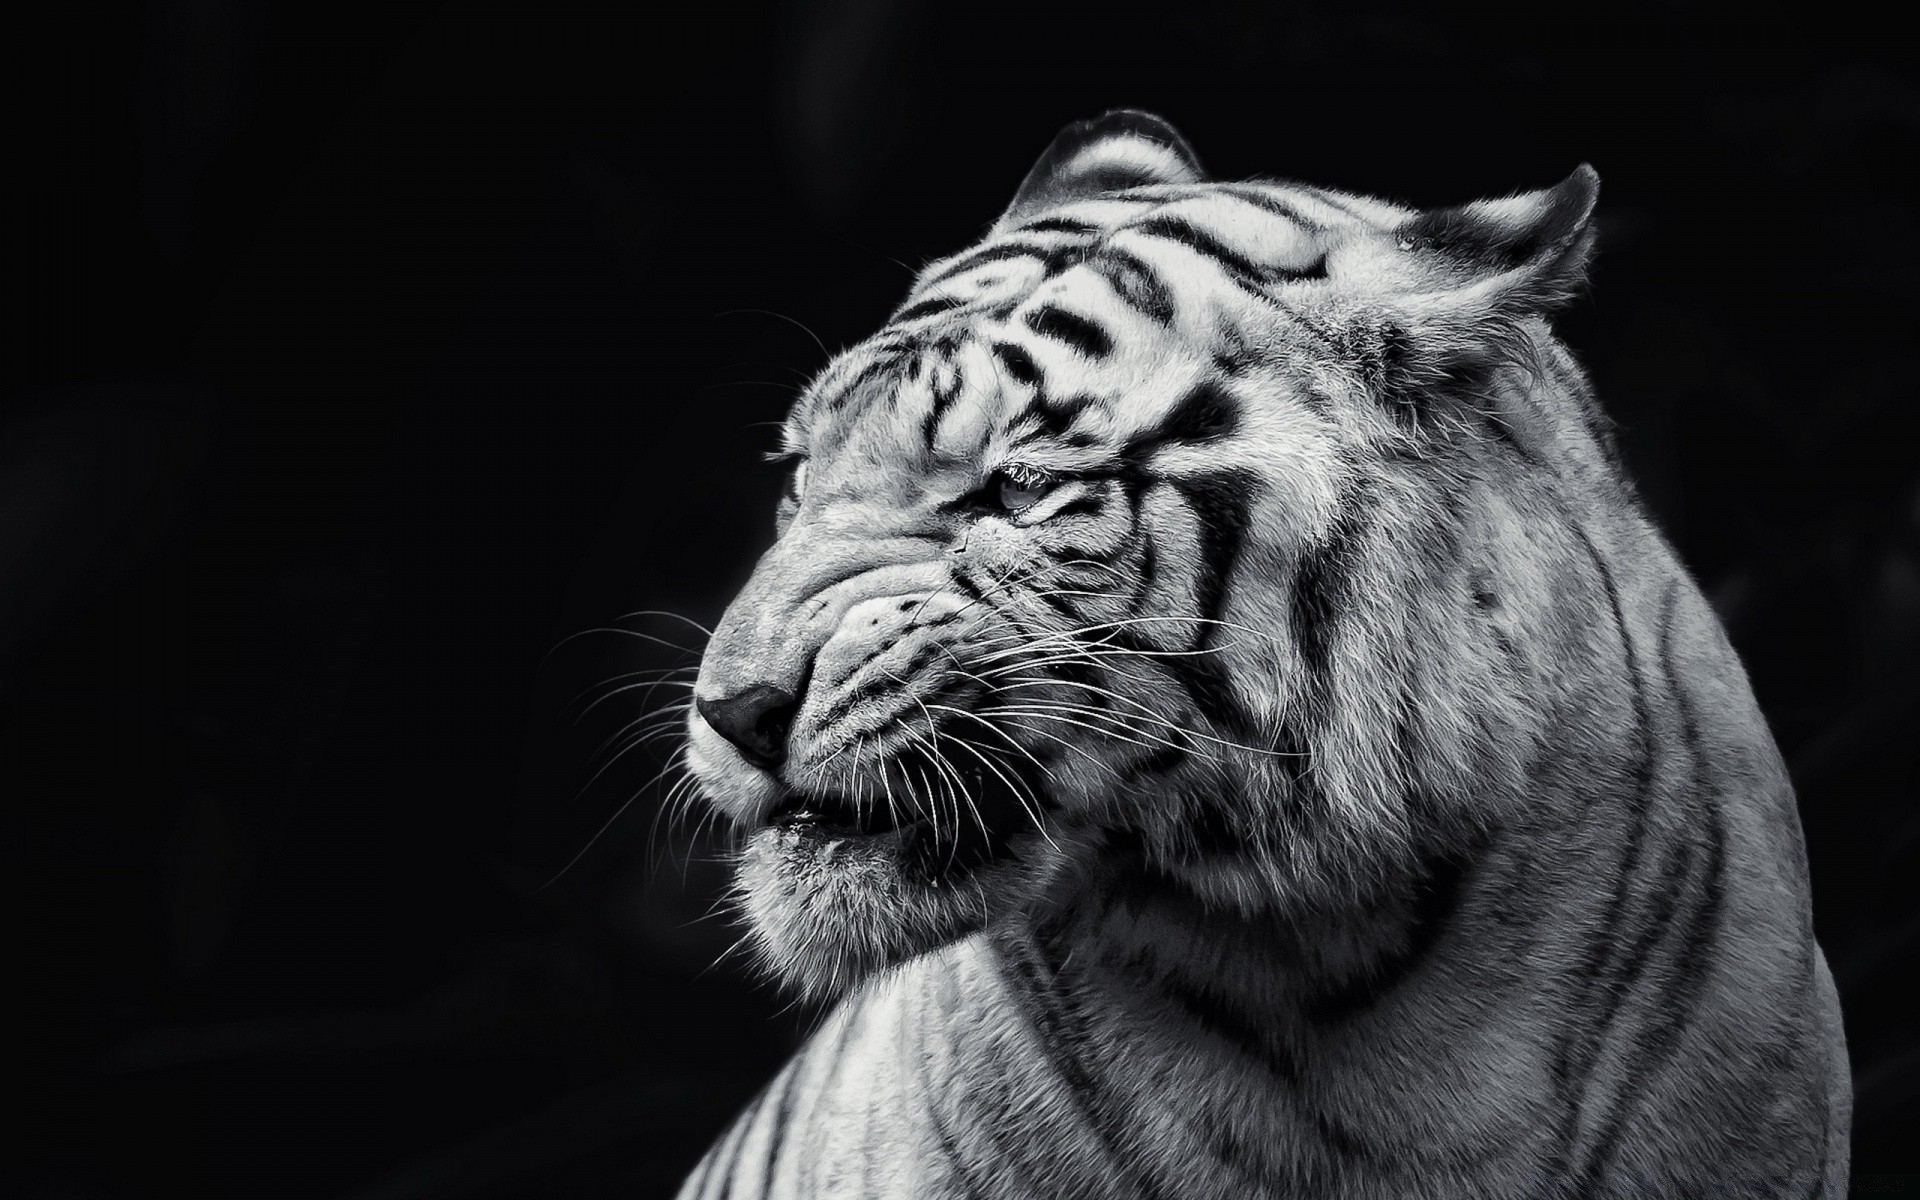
(1514, 256)
(1457, 285)
(1120, 149)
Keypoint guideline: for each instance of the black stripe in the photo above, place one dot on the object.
(1086, 502)
(972, 1187)
(1504, 432)
(1084, 335)
(1058, 604)
(783, 1110)
(1224, 1021)
(1310, 804)
(1489, 605)
(743, 1125)
(963, 584)
(1135, 882)
(1148, 571)
(928, 308)
(1252, 1162)
(1252, 1035)
(942, 400)
(998, 252)
(1245, 270)
(1639, 794)
(864, 375)
(1213, 832)
(1018, 362)
(1066, 255)
(1205, 680)
(1141, 884)
(1338, 1138)
(1042, 1003)
(883, 348)
(1222, 503)
(930, 424)
(1677, 1004)
(1051, 417)
(1162, 761)
(1057, 225)
(1205, 414)
(1249, 194)
(1436, 899)
(1575, 1058)
(1234, 355)
(1053, 257)
(1322, 578)
(855, 1010)
(1149, 568)
(696, 1182)
(1134, 280)
(1694, 960)
(1201, 242)
(1059, 1027)
(925, 655)
(1093, 567)
(1006, 1153)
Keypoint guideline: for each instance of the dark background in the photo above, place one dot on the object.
(371, 350)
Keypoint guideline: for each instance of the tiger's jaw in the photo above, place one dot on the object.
(834, 891)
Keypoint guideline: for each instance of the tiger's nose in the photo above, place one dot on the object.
(755, 719)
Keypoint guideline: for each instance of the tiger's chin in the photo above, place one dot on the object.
(833, 895)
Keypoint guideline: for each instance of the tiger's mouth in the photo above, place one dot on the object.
(836, 816)
(928, 836)
(836, 885)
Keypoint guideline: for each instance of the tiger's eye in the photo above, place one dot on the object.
(1014, 494)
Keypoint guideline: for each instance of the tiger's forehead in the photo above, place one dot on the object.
(991, 388)
(1062, 338)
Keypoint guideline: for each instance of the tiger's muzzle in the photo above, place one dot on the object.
(828, 690)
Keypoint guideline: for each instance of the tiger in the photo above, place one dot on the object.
(1216, 720)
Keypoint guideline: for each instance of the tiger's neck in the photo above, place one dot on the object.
(1140, 1040)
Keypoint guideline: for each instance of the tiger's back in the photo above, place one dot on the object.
(1476, 870)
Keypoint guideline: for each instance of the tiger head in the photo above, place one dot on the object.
(1174, 522)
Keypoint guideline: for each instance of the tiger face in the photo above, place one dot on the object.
(1108, 544)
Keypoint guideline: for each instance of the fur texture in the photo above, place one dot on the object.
(1239, 734)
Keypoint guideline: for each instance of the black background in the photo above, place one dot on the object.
(372, 350)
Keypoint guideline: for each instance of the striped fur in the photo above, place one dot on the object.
(1235, 732)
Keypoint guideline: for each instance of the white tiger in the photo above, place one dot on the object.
(1221, 724)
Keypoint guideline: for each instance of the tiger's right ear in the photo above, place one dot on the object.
(1120, 149)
